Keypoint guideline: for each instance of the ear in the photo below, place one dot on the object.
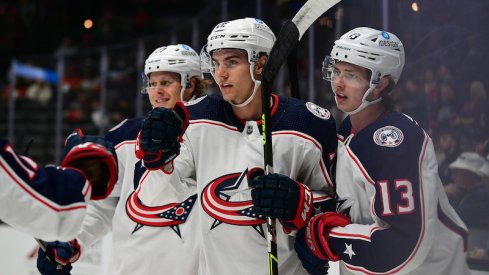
(260, 64)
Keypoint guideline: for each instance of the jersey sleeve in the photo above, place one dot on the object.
(48, 203)
(401, 187)
(174, 183)
(315, 173)
(99, 216)
(97, 222)
(319, 157)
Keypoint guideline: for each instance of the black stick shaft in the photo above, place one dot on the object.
(286, 41)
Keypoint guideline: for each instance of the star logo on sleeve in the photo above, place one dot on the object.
(349, 250)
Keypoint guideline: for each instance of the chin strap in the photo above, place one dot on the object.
(257, 84)
(364, 103)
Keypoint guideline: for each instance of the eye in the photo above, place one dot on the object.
(153, 84)
(233, 62)
(351, 76)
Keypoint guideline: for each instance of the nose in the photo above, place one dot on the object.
(159, 89)
(338, 82)
(221, 71)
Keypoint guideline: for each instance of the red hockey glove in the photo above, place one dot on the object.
(96, 158)
(280, 197)
(158, 142)
(315, 236)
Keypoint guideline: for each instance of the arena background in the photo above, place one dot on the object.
(57, 75)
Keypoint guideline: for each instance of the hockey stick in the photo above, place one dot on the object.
(292, 70)
(289, 36)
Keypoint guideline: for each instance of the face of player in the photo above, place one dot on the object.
(232, 74)
(164, 89)
(349, 82)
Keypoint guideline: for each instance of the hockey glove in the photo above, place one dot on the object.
(312, 245)
(162, 131)
(280, 197)
(96, 158)
(58, 257)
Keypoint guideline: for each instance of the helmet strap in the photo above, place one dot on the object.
(365, 102)
(256, 83)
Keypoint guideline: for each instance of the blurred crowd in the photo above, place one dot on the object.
(447, 94)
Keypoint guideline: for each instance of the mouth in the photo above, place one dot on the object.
(225, 85)
(162, 101)
(341, 96)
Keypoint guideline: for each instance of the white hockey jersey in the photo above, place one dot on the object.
(46, 202)
(218, 153)
(145, 240)
(388, 184)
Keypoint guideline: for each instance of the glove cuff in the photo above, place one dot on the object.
(156, 160)
(317, 234)
(79, 157)
(304, 209)
(182, 113)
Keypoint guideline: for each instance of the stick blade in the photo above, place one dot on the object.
(311, 11)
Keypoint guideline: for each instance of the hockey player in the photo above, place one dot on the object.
(222, 151)
(50, 202)
(145, 240)
(393, 215)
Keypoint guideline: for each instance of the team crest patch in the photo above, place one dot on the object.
(388, 136)
(318, 111)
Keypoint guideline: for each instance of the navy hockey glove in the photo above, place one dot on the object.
(58, 257)
(96, 158)
(312, 245)
(280, 197)
(160, 136)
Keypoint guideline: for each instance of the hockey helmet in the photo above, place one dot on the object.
(380, 52)
(249, 34)
(180, 58)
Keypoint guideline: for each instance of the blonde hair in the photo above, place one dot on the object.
(201, 86)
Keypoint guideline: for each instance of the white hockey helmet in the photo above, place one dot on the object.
(379, 51)
(249, 34)
(180, 58)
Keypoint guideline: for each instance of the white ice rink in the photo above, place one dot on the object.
(18, 254)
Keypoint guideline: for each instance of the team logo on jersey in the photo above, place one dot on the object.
(227, 199)
(318, 111)
(172, 214)
(388, 136)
